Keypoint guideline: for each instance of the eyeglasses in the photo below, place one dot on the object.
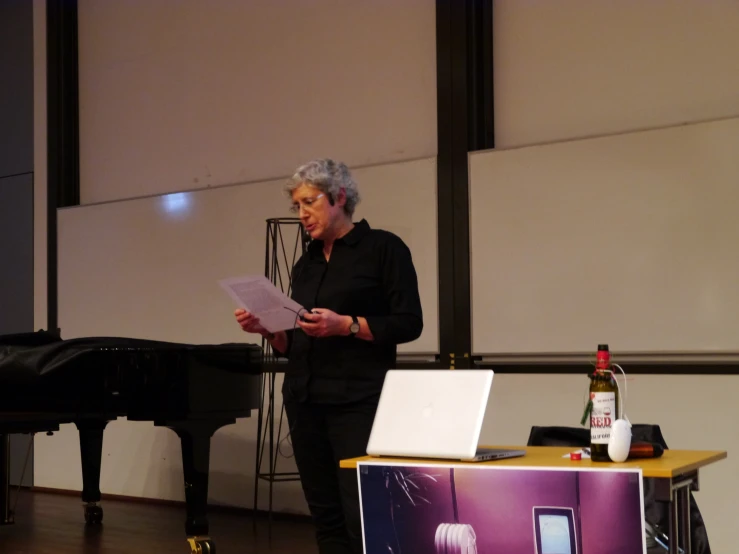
(306, 203)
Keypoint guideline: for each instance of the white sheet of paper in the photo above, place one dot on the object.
(256, 294)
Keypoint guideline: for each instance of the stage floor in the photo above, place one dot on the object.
(51, 523)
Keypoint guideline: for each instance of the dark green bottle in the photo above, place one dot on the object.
(604, 405)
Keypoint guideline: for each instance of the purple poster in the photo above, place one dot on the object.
(466, 509)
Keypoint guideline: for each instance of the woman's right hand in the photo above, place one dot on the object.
(249, 323)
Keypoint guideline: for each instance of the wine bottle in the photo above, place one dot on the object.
(604, 403)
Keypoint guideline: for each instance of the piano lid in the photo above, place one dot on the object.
(27, 358)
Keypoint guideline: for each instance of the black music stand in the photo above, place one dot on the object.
(279, 261)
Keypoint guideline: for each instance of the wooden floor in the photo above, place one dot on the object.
(54, 524)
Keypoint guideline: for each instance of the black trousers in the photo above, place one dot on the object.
(322, 435)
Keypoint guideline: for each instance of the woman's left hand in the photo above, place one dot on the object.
(324, 323)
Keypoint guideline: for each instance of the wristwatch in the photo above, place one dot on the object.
(354, 327)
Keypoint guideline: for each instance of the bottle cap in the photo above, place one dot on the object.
(603, 357)
(575, 456)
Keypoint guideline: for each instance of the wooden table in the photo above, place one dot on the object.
(675, 473)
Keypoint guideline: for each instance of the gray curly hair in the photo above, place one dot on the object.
(329, 177)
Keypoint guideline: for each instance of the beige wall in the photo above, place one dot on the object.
(579, 68)
(184, 95)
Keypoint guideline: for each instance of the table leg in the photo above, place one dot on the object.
(673, 525)
(675, 493)
(684, 497)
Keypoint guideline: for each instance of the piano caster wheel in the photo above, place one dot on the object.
(202, 545)
(93, 514)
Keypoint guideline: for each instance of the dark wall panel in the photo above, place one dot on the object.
(16, 87)
(16, 286)
(16, 254)
(16, 191)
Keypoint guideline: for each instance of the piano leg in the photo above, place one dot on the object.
(195, 439)
(6, 516)
(91, 452)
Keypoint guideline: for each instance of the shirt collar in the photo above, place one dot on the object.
(359, 231)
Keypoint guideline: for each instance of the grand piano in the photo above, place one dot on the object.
(194, 390)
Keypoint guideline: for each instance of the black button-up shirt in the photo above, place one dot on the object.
(370, 274)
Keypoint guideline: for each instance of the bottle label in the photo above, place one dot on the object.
(602, 416)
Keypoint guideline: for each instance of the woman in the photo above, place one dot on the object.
(360, 288)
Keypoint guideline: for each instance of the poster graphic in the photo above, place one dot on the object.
(471, 509)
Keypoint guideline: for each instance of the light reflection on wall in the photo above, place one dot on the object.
(177, 204)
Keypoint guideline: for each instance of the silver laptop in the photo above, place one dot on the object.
(434, 414)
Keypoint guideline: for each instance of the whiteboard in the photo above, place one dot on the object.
(148, 267)
(628, 239)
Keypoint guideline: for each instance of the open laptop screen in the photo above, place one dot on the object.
(554, 530)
